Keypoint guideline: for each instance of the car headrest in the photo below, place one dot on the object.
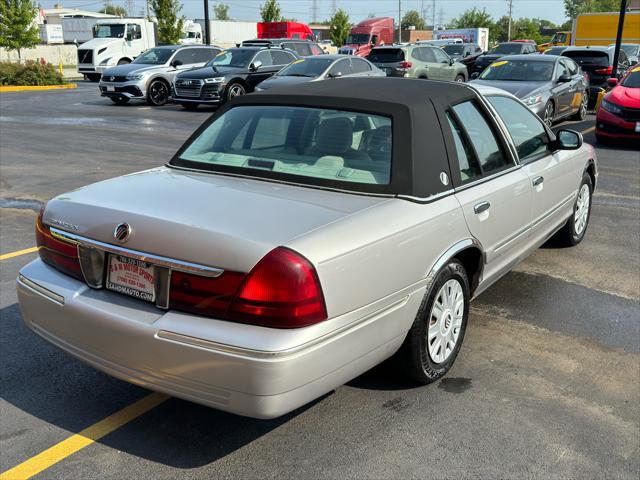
(334, 136)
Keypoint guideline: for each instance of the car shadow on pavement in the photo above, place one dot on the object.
(41, 381)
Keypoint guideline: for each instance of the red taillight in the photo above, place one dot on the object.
(604, 71)
(405, 65)
(59, 254)
(204, 295)
(281, 291)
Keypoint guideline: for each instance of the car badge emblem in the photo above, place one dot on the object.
(444, 178)
(111, 79)
(122, 232)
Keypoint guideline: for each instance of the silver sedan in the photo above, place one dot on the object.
(299, 238)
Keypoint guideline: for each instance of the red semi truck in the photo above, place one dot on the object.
(369, 33)
(284, 30)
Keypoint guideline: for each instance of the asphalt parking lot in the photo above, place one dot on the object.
(547, 384)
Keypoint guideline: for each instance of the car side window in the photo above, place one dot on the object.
(359, 65)
(301, 48)
(342, 67)
(467, 163)
(280, 57)
(441, 57)
(571, 65)
(316, 50)
(264, 57)
(188, 56)
(416, 54)
(482, 137)
(562, 69)
(203, 55)
(426, 55)
(527, 131)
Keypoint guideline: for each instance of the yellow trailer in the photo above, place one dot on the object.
(601, 28)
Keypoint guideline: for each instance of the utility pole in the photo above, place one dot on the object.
(399, 21)
(441, 16)
(616, 52)
(207, 37)
(510, 15)
(314, 11)
(433, 13)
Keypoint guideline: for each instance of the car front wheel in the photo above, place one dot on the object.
(582, 109)
(158, 93)
(549, 110)
(433, 343)
(460, 79)
(575, 229)
(235, 90)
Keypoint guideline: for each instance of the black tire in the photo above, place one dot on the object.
(548, 114)
(414, 354)
(157, 93)
(94, 77)
(123, 61)
(119, 100)
(460, 79)
(582, 110)
(568, 235)
(189, 106)
(234, 89)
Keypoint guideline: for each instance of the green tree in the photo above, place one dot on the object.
(221, 11)
(472, 18)
(573, 8)
(17, 27)
(114, 10)
(339, 27)
(270, 11)
(170, 25)
(413, 17)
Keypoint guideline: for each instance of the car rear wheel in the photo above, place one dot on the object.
(576, 227)
(549, 111)
(460, 79)
(435, 338)
(123, 61)
(158, 93)
(94, 77)
(582, 110)
(189, 106)
(119, 100)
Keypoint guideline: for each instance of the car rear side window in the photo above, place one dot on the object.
(281, 58)
(441, 57)
(325, 144)
(526, 130)
(386, 55)
(482, 137)
(466, 162)
(359, 65)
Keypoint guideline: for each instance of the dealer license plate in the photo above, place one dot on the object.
(638, 127)
(111, 88)
(131, 277)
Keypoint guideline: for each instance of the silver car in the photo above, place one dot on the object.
(301, 237)
(321, 67)
(150, 75)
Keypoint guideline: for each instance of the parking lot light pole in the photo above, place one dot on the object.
(616, 52)
(207, 38)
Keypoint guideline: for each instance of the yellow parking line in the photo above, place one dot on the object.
(588, 130)
(6, 256)
(86, 437)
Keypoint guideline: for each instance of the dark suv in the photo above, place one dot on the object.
(597, 64)
(500, 50)
(465, 53)
(304, 48)
(231, 73)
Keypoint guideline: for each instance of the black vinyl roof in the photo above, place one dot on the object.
(416, 108)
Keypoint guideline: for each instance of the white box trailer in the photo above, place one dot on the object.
(227, 33)
(479, 36)
(78, 30)
(51, 34)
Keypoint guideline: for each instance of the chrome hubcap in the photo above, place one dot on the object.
(581, 214)
(548, 115)
(236, 91)
(445, 321)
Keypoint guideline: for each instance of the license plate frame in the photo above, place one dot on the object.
(111, 88)
(132, 277)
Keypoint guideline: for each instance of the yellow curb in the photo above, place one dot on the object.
(27, 88)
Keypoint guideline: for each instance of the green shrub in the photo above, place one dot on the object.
(29, 73)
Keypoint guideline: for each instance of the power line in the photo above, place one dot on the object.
(314, 11)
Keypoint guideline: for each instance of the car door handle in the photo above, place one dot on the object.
(538, 181)
(481, 207)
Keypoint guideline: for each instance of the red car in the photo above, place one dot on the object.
(619, 114)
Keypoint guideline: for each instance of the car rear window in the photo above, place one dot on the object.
(386, 55)
(317, 143)
(588, 58)
(633, 79)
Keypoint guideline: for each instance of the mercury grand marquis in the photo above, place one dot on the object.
(301, 237)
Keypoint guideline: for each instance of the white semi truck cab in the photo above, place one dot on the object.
(191, 33)
(115, 41)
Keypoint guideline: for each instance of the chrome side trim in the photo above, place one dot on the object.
(158, 260)
(450, 253)
(278, 354)
(488, 178)
(40, 290)
(512, 237)
(428, 199)
(544, 217)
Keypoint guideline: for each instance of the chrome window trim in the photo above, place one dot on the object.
(157, 260)
(481, 180)
(429, 199)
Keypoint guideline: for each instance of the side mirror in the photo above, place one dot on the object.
(255, 65)
(176, 63)
(451, 61)
(335, 75)
(612, 82)
(567, 140)
(474, 75)
(564, 78)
